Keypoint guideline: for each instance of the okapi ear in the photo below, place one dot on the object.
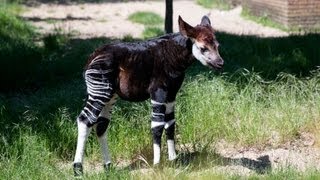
(186, 29)
(205, 21)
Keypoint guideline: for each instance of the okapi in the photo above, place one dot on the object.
(138, 71)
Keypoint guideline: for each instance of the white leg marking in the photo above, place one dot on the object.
(157, 103)
(157, 114)
(156, 124)
(156, 154)
(104, 148)
(83, 133)
(171, 150)
(169, 123)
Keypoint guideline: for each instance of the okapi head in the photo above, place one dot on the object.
(205, 45)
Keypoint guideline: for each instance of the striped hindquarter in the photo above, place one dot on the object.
(96, 113)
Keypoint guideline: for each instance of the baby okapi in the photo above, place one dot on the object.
(137, 71)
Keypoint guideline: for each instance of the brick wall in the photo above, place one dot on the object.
(303, 14)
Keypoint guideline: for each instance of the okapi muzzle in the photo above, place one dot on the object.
(152, 69)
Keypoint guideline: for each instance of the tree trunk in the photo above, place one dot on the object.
(168, 19)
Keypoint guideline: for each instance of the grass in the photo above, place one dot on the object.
(146, 18)
(219, 4)
(264, 20)
(150, 32)
(269, 85)
(151, 20)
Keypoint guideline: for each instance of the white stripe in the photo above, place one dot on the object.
(93, 106)
(97, 85)
(157, 103)
(99, 56)
(94, 79)
(169, 123)
(99, 95)
(157, 114)
(90, 98)
(95, 71)
(156, 154)
(156, 124)
(90, 112)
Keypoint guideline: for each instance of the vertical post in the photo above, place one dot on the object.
(168, 19)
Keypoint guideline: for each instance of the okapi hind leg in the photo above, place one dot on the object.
(101, 131)
(83, 133)
(99, 82)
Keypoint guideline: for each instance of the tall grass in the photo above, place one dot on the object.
(40, 127)
(278, 94)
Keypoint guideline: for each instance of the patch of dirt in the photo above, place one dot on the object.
(300, 155)
(110, 19)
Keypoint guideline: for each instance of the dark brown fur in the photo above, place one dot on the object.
(141, 67)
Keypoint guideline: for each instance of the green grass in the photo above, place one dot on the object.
(269, 85)
(146, 18)
(150, 32)
(151, 20)
(219, 4)
(264, 20)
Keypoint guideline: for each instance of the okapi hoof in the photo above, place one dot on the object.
(77, 169)
(107, 167)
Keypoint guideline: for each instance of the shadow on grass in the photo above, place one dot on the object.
(66, 2)
(261, 165)
(33, 66)
(197, 160)
(68, 18)
(51, 79)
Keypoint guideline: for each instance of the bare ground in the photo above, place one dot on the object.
(301, 155)
(110, 20)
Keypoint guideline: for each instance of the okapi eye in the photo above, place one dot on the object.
(204, 49)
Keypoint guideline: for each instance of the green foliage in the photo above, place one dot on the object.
(219, 4)
(150, 32)
(146, 18)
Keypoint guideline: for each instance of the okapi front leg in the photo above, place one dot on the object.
(158, 122)
(170, 129)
